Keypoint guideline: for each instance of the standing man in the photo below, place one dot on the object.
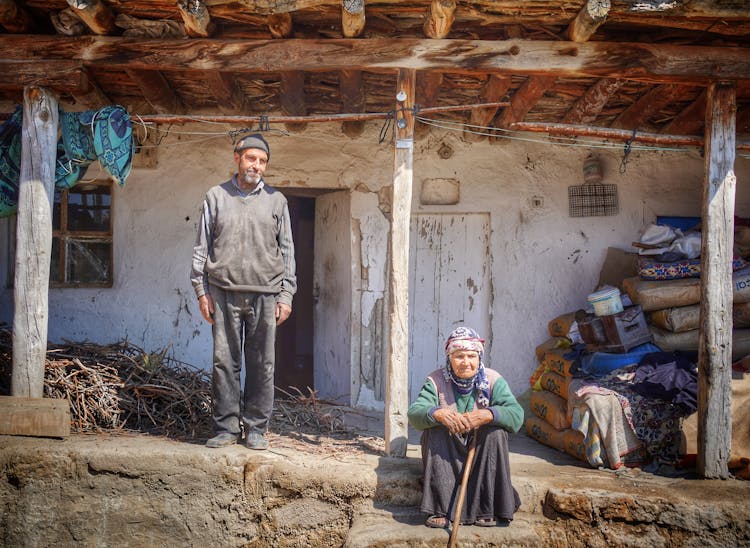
(243, 273)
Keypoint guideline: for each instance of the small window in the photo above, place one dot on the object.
(82, 236)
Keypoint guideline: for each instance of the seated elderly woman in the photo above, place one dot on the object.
(458, 401)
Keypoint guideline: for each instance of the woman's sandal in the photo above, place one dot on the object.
(485, 522)
(436, 521)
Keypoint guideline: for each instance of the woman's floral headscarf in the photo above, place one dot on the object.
(465, 338)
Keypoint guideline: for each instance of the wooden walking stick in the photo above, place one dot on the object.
(462, 492)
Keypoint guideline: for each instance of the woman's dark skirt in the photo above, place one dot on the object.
(489, 494)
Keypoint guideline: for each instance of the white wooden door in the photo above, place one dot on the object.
(450, 285)
(332, 297)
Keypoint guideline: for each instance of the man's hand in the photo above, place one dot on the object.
(282, 312)
(206, 304)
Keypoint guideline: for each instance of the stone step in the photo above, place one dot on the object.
(397, 527)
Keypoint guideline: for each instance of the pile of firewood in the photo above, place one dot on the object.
(121, 387)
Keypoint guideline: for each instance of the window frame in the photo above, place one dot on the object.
(64, 235)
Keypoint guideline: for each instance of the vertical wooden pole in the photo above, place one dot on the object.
(715, 347)
(33, 241)
(397, 373)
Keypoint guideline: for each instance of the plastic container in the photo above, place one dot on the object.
(606, 302)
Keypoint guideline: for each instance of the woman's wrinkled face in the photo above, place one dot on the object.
(465, 363)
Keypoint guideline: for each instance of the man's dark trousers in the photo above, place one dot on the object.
(244, 322)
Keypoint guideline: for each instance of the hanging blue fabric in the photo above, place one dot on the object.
(10, 162)
(113, 141)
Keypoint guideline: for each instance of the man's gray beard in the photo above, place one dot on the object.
(251, 178)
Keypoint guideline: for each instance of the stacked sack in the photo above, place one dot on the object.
(673, 305)
(550, 423)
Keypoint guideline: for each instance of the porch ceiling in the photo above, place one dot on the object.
(624, 64)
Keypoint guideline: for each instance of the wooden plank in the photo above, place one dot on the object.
(635, 61)
(397, 369)
(33, 241)
(715, 345)
(43, 417)
(224, 88)
(591, 17)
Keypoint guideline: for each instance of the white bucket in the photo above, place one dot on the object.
(606, 301)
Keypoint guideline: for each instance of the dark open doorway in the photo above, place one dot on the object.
(294, 338)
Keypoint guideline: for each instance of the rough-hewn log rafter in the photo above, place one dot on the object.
(427, 92)
(591, 103)
(690, 120)
(156, 90)
(494, 90)
(638, 114)
(90, 96)
(224, 88)
(635, 61)
(352, 18)
(591, 17)
(292, 95)
(440, 19)
(352, 99)
(196, 17)
(58, 74)
(281, 25)
(14, 18)
(523, 100)
(96, 14)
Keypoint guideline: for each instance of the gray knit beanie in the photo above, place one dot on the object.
(255, 140)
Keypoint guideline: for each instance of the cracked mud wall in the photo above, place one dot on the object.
(542, 261)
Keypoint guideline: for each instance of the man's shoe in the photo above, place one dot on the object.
(256, 440)
(224, 439)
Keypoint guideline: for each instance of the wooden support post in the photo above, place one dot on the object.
(715, 346)
(397, 370)
(33, 241)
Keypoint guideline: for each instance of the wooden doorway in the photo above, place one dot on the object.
(294, 338)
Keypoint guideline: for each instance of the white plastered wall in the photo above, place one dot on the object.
(544, 262)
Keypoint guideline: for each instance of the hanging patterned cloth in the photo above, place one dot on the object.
(105, 135)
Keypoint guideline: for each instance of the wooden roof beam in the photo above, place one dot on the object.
(90, 96)
(690, 120)
(440, 18)
(156, 90)
(643, 62)
(427, 91)
(352, 18)
(352, 100)
(494, 90)
(591, 17)
(743, 120)
(14, 18)
(196, 17)
(638, 114)
(292, 95)
(522, 102)
(223, 87)
(591, 103)
(96, 14)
